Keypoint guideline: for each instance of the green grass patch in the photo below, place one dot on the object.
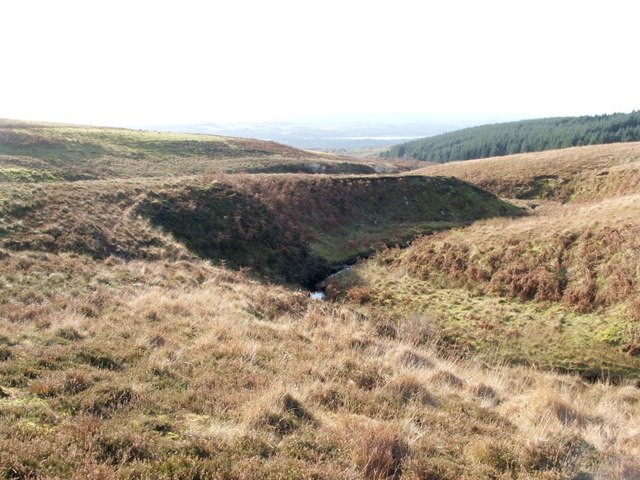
(26, 175)
(542, 335)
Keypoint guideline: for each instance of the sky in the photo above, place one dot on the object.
(137, 62)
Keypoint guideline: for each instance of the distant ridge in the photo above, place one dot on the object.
(45, 152)
(521, 137)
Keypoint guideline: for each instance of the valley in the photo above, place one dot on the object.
(156, 322)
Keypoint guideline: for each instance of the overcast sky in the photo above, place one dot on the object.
(152, 62)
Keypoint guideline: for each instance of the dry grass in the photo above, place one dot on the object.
(558, 288)
(43, 152)
(582, 254)
(578, 173)
(123, 355)
(288, 228)
(171, 369)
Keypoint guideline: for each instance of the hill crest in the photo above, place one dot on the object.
(35, 151)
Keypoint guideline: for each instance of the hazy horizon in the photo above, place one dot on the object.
(168, 63)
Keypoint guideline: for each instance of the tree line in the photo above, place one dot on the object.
(522, 136)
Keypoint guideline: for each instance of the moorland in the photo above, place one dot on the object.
(156, 322)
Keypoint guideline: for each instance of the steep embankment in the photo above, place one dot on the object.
(288, 228)
(37, 152)
(580, 173)
(523, 136)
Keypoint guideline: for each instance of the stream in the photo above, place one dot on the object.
(318, 289)
(319, 293)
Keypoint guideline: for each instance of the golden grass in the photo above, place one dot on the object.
(156, 369)
(547, 256)
(122, 355)
(578, 173)
(558, 288)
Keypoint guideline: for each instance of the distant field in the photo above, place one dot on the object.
(33, 152)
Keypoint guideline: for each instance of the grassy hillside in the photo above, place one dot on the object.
(156, 327)
(523, 136)
(35, 152)
(170, 369)
(570, 174)
(287, 228)
(558, 288)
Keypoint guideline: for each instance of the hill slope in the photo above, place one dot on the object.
(288, 228)
(175, 369)
(39, 152)
(579, 173)
(523, 136)
(124, 353)
(559, 287)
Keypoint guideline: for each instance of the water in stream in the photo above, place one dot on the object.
(319, 294)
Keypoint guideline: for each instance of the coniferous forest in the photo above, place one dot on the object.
(522, 136)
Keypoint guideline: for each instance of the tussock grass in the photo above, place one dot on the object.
(125, 355)
(178, 372)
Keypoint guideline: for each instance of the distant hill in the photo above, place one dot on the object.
(37, 152)
(334, 134)
(522, 136)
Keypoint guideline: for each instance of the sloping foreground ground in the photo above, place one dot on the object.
(292, 229)
(559, 290)
(176, 369)
(42, 152)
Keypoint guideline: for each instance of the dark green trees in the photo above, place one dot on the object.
(523, 136)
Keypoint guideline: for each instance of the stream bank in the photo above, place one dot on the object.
(300, 229)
